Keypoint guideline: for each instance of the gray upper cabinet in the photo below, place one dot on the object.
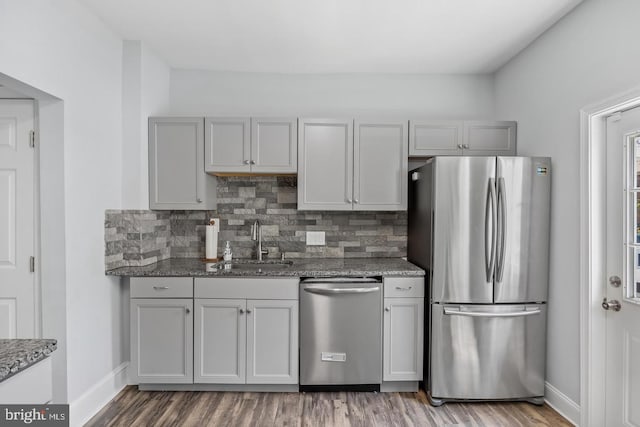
(484, 138)
(343, 169)
(468, 138)
(274, 145)
(435, 138)
(380, 165)
(227, 144)
(325, 164)
(177, 179)
(256, 145)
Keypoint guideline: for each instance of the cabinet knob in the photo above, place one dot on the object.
(465, 146)
(356, 201)
(460, 146)
(246, 162)
(349, 200)
(253, 162)
(187, 310)
(387, 309)
(248, 311)
(199, 200)
(241, 311)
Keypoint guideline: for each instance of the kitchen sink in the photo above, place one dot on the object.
(257, 266)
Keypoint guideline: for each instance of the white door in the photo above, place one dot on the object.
(622, 400)
(403, 339)
(17, 236)
(272, 342)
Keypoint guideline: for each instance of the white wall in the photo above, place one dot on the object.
(436, 96)
(145, 93)
(62, 49)
(591, 54)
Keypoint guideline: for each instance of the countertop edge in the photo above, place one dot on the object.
(19, 359)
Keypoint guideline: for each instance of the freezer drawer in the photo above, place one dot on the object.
(487, 351)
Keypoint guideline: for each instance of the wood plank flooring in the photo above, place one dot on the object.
(153, 408)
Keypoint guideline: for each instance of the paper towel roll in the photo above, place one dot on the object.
(211, 242)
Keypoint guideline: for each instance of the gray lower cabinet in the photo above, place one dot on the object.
(352, 165)
(256, 145)
(462, 138)
(161, 340)
(244, 340)
(177, 179)
(403, 329)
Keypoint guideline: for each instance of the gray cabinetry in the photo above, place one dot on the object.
(456, 137)
(380, 162)
(177, 179)
(256, 145)
(161, 331)
(340, 169)
(403, 329)
(242, 340)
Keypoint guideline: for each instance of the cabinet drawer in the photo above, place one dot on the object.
(251, 288)
(161, 287)
(403, 287)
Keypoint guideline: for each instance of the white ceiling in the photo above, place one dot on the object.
(334, 36)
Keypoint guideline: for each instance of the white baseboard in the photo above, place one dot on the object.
(562, 404)
(86, 406)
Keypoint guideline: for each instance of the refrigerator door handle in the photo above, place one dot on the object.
(502, 227)
(490, 251)
(457, 312)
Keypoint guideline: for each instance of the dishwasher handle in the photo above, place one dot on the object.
(334, 291)
(340, 280)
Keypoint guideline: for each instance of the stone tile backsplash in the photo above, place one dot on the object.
(145, 237)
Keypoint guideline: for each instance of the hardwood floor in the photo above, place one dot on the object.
(148, 408)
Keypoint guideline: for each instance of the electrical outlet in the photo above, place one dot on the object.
(315, 238)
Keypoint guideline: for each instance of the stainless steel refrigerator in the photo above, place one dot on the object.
(479, 226)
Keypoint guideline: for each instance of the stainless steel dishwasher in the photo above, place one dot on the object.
(340, 333)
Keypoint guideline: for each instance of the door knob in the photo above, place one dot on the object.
(615, 281)
(611, 305)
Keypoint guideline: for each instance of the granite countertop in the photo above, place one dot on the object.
(303, 267)
(18, 354)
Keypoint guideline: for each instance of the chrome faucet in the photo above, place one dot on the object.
(256, 236)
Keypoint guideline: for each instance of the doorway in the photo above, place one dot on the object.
(608, 377)
(19, 294)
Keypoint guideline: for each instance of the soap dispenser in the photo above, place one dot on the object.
(227, 255)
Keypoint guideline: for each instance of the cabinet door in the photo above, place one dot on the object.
(274, 145)
(435, 138)
(380, 165)
(227, 144)
(272, 342)
(485, 138)
(403, 339)
(220, 341)
(176, 155)
(325, 164)
(161, 341)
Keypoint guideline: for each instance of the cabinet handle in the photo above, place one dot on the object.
(408, 288)
(465, 146)
(187, 310)
(246, 162)
(160, 288)
(387, 309)
(199, 200)
(241, 311)
(253, 162)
